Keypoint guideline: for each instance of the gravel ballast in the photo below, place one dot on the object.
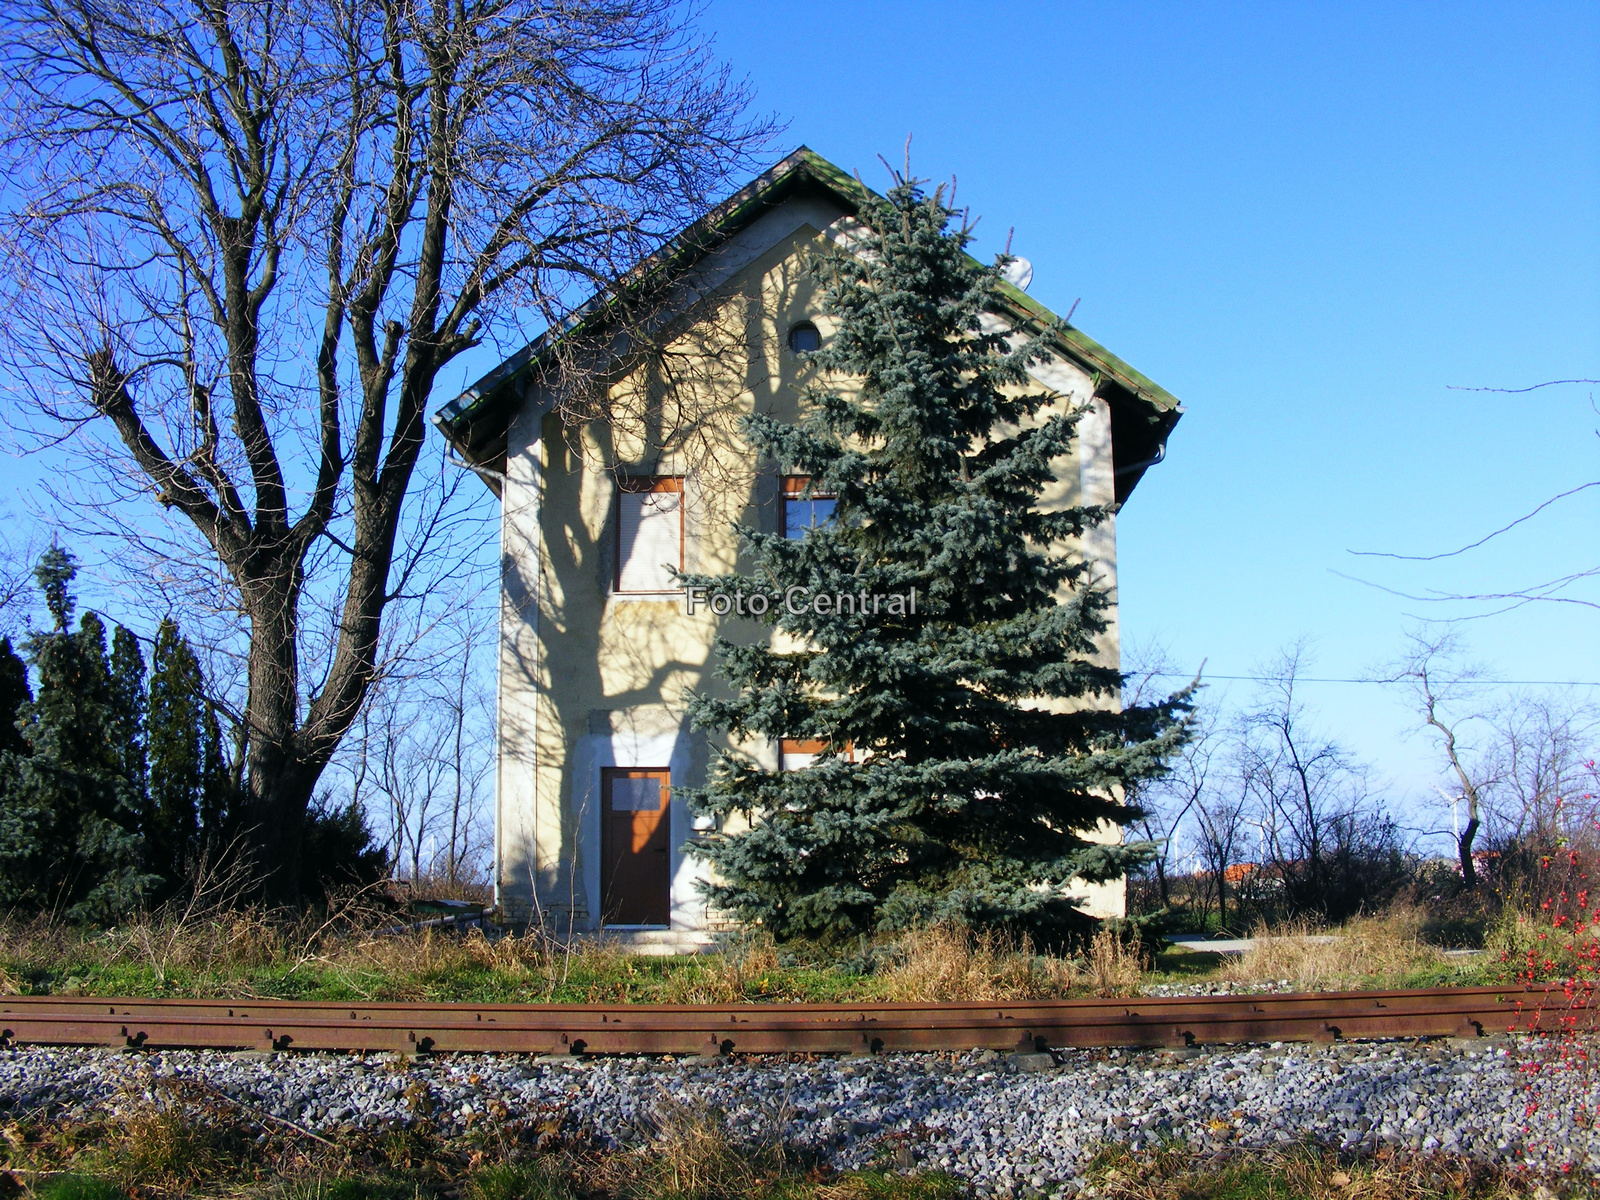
(976, 1115)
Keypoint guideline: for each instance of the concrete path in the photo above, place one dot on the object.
(1211, 945)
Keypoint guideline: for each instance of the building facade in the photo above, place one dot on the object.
(607, 482)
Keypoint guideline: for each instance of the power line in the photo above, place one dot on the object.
(1317, 679)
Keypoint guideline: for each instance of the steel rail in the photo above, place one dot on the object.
(776, 1028)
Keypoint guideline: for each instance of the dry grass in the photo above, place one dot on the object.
(350, 954)
(1384, 948)
(692, 1154)
(949, 963)
(1114, 967)
(746, 968)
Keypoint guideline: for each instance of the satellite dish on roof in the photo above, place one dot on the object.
(1018, 273)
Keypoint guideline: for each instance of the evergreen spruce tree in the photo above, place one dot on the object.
(972, 746)
(183, 738)
(128, 711)
(69, 815)
(14, 693)
(219, 787)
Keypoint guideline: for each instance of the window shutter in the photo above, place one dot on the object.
(650, 540)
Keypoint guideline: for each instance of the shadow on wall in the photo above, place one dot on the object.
(591, 679)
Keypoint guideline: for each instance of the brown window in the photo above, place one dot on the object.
(796, 754)
(801, 511)
(649, 533)
(635, 849)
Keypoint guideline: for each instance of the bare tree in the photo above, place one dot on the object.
(1167, 804)
(248, 235)
(419, 757)
(1220, 818)
(16, 584)
(464, 709)
(1540, 773)
(1441, 688)
(1320, 829)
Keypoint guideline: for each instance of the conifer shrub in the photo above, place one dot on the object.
(70, 802)
(116, 792)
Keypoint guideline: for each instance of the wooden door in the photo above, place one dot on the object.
(635, 849)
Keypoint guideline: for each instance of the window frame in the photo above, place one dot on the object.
(631, 484)
(792, 488)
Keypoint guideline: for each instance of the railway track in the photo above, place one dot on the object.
(774, 1028)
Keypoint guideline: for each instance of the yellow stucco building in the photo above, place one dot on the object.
(615, 447)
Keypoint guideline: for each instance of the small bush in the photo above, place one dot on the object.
(338, 848)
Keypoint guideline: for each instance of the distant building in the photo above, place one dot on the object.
(596, 648)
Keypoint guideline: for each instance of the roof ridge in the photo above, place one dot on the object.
(720, 222)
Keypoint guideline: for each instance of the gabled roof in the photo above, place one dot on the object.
(476, 421)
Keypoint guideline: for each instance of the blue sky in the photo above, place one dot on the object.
(1308, 222)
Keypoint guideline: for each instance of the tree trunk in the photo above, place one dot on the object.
(1469, 870)
(277, 784)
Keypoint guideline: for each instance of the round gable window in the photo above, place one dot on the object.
(804, 338)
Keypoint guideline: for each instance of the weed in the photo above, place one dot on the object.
(882, 1185)
(746, 969)
(405, 1147)
(169, 1143)
(250, 953)
(1115, 966)
(948, 962)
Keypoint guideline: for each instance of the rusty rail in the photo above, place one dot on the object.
(774, 1028)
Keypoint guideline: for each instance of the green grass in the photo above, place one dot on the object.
(513, 1181)
(1177, 1171)
(1180, 965)
(75, 1186)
